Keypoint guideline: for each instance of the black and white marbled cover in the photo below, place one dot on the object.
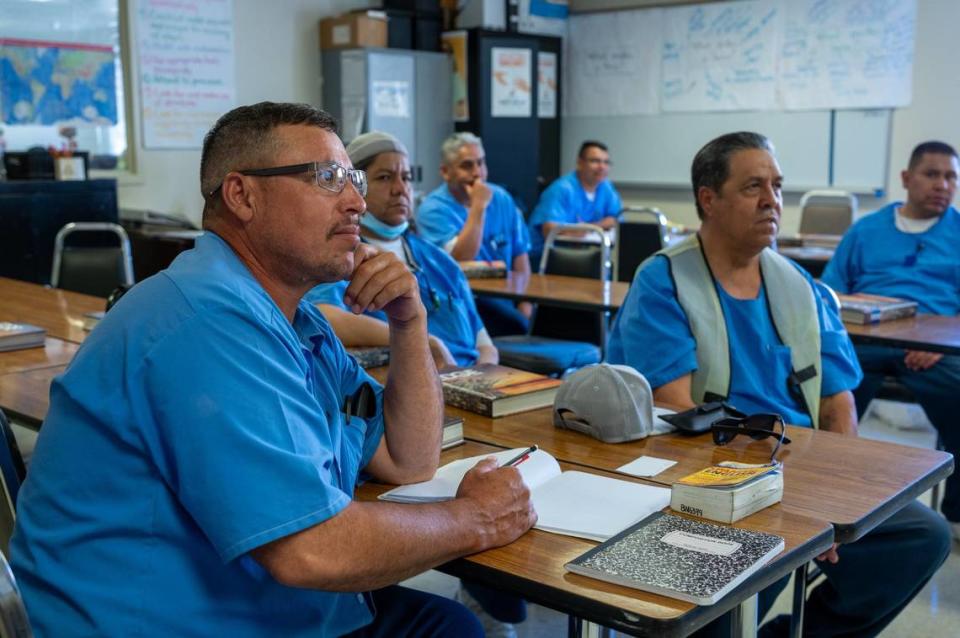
(638, 557)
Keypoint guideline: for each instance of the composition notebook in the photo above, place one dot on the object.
(570, 503)
(679, 557)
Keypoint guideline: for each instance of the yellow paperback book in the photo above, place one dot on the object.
(727, 473)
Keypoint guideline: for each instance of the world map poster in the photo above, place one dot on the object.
(50, 82)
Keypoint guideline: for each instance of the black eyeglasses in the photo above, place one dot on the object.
(756, 426)
(329, 176)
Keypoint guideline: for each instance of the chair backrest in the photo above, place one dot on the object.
(588, 260)
(12, 473)
(637, 240)
(827, 212)
(94, 270)
(13, 616)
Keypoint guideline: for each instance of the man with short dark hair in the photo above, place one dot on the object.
(723, 316)
(473, 219)
(196, 470)
(911, 250)
(584, 195)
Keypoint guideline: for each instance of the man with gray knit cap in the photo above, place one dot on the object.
(457, 335)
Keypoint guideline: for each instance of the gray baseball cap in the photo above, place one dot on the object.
(612, 403)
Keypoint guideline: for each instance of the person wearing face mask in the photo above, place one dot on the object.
(457, 335)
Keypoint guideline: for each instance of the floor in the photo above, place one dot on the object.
(934, 613)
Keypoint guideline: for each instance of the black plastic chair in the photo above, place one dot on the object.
(637, 240)
(93, 270)
(562, 339)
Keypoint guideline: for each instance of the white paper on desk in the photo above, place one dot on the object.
(569, 503)
(646, 466)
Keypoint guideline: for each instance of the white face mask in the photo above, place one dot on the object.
(386, 231)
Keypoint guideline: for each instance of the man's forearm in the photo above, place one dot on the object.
(470, 237)
(356, 330)
(607, 222)
(838, 413)
(413, 401)
(371, 545)
(521, 264)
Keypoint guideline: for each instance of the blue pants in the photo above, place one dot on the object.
(873, 581)
(501, 605)
(936, 389)
(401, 612)
(500, 317)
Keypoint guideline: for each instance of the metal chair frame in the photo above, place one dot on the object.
(658, 218)
(72, 227)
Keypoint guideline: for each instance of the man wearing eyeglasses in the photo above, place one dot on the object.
(197, 465)
(472, 219)
(911, 250)
(722, 316)
(584, 195)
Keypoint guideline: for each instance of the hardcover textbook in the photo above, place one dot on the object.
(370, 356)
(679, 557)
(861, 308)
(17, 336)
(570, 503)
(484, 269)
(452, 432)
(493, 390)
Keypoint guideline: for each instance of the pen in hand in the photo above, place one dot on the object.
(520, 458)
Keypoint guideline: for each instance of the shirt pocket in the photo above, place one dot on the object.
(351, 450)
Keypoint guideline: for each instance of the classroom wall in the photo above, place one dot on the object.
(277, 58)
(932, 115)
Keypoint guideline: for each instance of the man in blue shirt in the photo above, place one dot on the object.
(704, 320)
(196, 469)
(457, 335)
(473, 219)
(585, 195)
(911, 250)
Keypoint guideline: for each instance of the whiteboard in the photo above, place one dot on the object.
(657, 150)
(814, 149)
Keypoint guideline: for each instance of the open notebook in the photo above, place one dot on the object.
(570, 503)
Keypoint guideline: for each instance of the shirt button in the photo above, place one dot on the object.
(361, 600)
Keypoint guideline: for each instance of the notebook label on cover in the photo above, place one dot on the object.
(700, 543)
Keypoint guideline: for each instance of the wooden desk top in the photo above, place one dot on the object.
(532, 566)
(555, 290)
(59, 311)
(935, 333)
(55, 352)
(853, 483)
(26, 395)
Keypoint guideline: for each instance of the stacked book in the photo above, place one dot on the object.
(17, 336)
(861, 308)
(370, 356)
(484, 269)
(728, 491)
(493, 390)
(452, 432)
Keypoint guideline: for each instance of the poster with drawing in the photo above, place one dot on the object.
(511, 82)
(546, 85)
(455, 43)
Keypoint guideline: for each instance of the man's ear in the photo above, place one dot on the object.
(905, 177)
(706, 196)
(444, 172)
(238, 198)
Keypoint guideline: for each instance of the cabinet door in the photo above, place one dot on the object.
(391, 87)
(434, 121)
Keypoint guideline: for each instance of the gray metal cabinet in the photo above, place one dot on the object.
(405, 93)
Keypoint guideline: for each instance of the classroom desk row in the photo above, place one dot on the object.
(868, 482)
(934, 333)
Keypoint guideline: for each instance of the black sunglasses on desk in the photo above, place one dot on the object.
(756, 426)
